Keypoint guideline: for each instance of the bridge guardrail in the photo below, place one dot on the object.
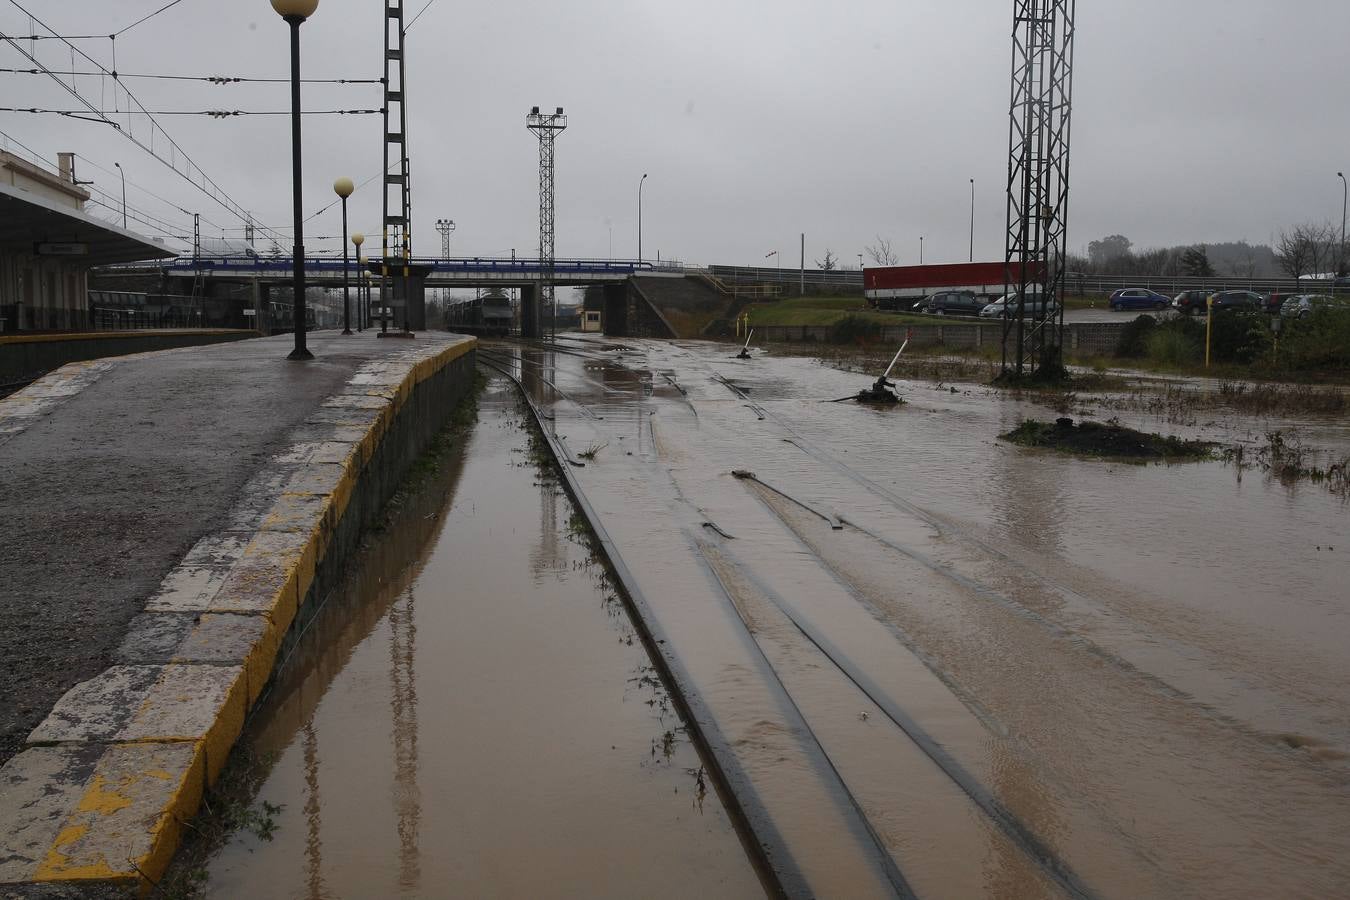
(283, 265)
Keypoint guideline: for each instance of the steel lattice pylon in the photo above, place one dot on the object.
(397, 243)
(547, 127)
(1038, 180)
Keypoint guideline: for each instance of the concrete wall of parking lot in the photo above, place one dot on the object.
(1080, 337)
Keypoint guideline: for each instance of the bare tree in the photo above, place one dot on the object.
(881, 253)
(1308, 249)
(829, 263)
(1245, 265)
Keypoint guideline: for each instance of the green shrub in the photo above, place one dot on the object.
(854, 329)
(1134, 337)
(1319, 342)
(1171, 347)
(1240, 337)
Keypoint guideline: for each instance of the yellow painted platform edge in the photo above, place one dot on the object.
(214, 748)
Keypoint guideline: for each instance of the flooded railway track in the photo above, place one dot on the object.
(472, 713)
(937, 632)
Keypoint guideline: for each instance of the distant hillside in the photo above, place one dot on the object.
(1117, 255)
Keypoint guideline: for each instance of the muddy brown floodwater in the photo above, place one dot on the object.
(472, 715)
(940, 665)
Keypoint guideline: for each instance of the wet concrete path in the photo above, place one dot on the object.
(941, 665)
(472, 714)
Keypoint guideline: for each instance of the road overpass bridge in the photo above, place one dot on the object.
(199, 276)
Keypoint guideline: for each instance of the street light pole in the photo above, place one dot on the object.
(358, 239)
(972, 220)
(123, 173)
(343, 187)
(920, 249)
(641, 181)
(1345, 189)
(295, 12)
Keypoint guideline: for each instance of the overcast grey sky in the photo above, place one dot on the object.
(1200, 120)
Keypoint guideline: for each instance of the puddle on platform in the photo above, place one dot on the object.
(483, 722)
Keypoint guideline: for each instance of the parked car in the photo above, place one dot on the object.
(1007, 305)
(1300, 306)
(1273, 302)
(1237, 300)
(1138, 298)
(954, 303)
(1191, 302)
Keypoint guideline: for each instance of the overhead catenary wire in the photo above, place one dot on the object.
(210, 79)
(163, 225)
(164, 8)
(194, 172)
(409, 26)
(210, 113)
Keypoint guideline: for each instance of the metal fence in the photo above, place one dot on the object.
(1171, 285)
(126, 310)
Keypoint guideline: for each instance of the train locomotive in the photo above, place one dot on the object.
(490, 313)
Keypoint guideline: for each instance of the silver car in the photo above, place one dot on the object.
(1006, 305)
(1300, 306)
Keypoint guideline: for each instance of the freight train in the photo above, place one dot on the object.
(488, 313)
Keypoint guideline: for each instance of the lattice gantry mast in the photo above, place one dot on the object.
(547, 127)
(1038, 181)
(397, 245)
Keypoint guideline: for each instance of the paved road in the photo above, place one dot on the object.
(107, 488)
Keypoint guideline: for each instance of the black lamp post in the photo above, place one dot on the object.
(295, 12)
(343, 187)
(640, 182)
(123, 172)
(358, 239)
(972, 220)
(1345, 190)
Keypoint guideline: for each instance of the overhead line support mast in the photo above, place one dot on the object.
(546, 127)
(1038, 184)
(397, 244)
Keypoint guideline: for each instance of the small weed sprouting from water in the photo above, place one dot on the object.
(228, 809)
(1284, 399)
(592, 451)
(1287, 459)
(259, 821)
(1284, 457)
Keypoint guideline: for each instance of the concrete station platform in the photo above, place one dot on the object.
(166, 516)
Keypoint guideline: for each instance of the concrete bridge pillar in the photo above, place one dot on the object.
(529, 311)
(408, 297)
(615, 317)
(262, 303)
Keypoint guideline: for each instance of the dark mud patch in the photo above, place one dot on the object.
(1106, 440)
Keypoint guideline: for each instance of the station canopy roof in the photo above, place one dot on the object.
(33, 224)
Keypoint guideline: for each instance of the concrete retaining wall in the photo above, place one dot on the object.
(33, 354)
(1080, 337)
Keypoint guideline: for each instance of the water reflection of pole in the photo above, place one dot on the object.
(313, 820)
(549, 555)
(403, 687)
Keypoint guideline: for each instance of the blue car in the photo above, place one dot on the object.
(1138, 298)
